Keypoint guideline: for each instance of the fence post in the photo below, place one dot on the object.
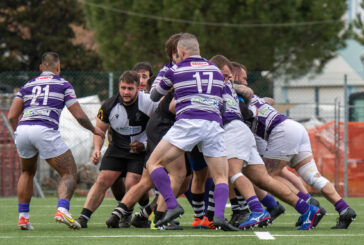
(346, 113)
(317, 101)
(111, 84)
(337, 144)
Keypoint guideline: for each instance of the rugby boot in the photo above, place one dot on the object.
(207, 224)
(222, 224)
(345, 219)
(171, 214)
(66, 218)
(24, 224)
(139, 221)
(196, 223)
(311, 218)
(255, 219)
(315, 203)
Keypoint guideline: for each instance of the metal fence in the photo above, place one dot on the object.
(336, 142)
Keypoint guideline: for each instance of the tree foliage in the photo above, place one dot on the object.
(125, 38)
(30, 28)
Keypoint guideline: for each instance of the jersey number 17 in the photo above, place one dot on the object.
(199, 82)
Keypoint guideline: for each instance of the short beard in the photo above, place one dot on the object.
(132, 101)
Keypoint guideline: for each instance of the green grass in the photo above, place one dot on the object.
(48, 232)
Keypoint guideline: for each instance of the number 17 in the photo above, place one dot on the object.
(199, 82)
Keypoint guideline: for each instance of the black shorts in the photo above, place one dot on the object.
(117, 159)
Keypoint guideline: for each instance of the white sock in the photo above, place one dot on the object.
(63, 210)
(25, 215)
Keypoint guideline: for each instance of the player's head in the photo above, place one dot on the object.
(149, 83)
(144, 69)
(239, 73)
(224, 65)
(128, 87)
(171, 47)
(187, 46)
(50, 62)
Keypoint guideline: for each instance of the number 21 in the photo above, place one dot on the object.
(36, 92)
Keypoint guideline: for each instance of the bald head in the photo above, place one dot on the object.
(188, 45)
(50, 62)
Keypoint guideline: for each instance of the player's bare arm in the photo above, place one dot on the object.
(82, 119)
(98, 140)
(15, 111)
(244, 91)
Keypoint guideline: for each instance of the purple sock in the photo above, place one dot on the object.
(23, 207)
(303, 196)
(302, 206)
(63, 203)
(269, 201)
(341, 205)
(255, 205)
(221, 195)
(162, 182)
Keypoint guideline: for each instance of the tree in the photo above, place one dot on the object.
(281, 37)
(30, 28)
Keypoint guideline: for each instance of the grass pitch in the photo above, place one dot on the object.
(283, 230)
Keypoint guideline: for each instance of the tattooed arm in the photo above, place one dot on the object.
(82, 119)
(244, 92)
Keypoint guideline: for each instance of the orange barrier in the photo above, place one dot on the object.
(329, 155)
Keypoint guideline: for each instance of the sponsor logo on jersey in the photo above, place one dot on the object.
(36, 112)
(44, 77)
(210, 102)
(100, 114)
(199, 63)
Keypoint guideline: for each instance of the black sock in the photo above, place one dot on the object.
(211, 208)
(86, 213)
(242, 203)
(122, 210)
(143, 202)
(234, 204)
(158, 215)
(146, 211)
(198, 205)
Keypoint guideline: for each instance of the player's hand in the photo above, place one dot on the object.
(99, 132)
(96, 157)
(137, 147)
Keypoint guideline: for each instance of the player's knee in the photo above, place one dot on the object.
(312, 176)
(234, 177)
(104, 181)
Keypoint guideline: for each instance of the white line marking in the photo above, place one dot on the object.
(264, 235)
(187, 235)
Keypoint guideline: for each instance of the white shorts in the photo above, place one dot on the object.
(31, 139)
(207, 135)
(240, 143)
(286, 140)
(261, 144)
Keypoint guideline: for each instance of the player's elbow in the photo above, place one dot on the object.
(155, 95)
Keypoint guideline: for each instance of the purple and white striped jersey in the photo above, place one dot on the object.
(161, 73)
(199, 87)
(44, 98)
(265, 117)
(232, 109)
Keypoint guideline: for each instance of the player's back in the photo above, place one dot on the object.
(44, 98)
(199, 87)
(266, 118)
